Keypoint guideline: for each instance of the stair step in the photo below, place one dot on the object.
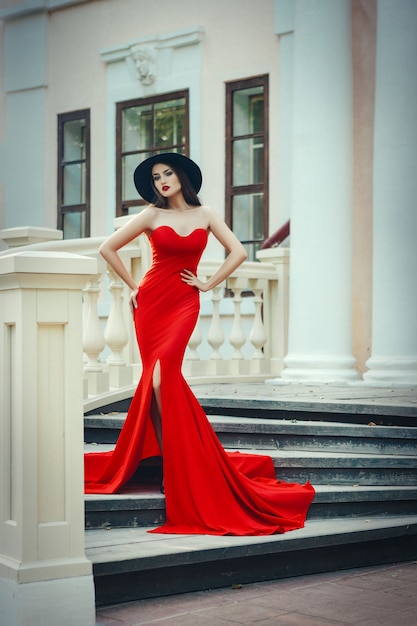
(145, 506)
(293, 434)
(269, 434)
(348, 404)
(344, 468)
(131, 564)
(338, 468)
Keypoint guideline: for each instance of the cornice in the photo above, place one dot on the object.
(177, 39)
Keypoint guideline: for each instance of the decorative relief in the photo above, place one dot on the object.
(149, 59)
(144, 58)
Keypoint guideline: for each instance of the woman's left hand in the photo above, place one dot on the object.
(191, 279)
(133, 304)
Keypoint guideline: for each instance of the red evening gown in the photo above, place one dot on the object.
(207, 490)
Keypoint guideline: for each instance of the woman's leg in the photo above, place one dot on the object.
(156, 408)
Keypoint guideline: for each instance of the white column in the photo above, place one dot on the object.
(284, 16)
(394, 319)
(320, 326)
(45, 577)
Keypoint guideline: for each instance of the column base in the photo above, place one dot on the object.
(307, 369)
(391, 372)
(63, 601)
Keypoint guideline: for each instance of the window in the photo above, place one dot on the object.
(247, 161)
(145, 127)
(74, 174)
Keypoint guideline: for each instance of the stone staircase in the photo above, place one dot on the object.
(364, 513)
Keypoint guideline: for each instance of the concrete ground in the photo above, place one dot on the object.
(383, 595)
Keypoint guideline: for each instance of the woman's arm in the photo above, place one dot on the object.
(237, 254)
(109, 248)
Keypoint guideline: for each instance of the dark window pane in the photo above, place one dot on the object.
(74, 140)
(248, 107)
(129, 164)
(74, 225)
(137, 128)
(169, 123)
(248, 160)
(74, 184)
(247, 215)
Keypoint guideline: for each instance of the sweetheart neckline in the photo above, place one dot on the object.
(174, 231)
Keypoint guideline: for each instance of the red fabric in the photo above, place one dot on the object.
(207, 490)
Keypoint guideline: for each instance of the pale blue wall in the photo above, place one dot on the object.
(22, 152)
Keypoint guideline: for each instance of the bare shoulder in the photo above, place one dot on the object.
(141, 222)
(211, 215)
(149, 212)
(220, 229)
(145, 219)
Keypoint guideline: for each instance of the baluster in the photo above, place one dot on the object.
(215, 335)
(257, 335)
(237, 335)
(116, 335)
(93, 337)
(93, 341)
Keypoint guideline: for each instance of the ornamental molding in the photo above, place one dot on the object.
(143, 53)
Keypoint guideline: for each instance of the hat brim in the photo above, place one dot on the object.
(143, 173)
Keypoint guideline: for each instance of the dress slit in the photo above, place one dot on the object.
(107, 472)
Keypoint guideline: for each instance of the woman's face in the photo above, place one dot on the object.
(165, 180)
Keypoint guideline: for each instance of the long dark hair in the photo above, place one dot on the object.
(187, 189)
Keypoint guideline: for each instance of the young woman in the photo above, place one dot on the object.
(207, 490)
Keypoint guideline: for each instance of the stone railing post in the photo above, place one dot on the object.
(45, 577)
(26, 235)
(276, 306)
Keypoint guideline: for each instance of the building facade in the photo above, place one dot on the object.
(295, 109)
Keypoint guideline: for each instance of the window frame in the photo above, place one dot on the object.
(122, 206)
(63, 118)
(235, 190)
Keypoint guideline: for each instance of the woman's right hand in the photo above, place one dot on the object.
(133, 304)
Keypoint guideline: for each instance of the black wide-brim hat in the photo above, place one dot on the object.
(143, 173)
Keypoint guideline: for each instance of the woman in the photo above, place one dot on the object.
(207, 490)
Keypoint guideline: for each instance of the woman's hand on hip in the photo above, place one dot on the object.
(133, 303)
(191, 279)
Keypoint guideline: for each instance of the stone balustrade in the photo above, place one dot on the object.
(241, 332)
